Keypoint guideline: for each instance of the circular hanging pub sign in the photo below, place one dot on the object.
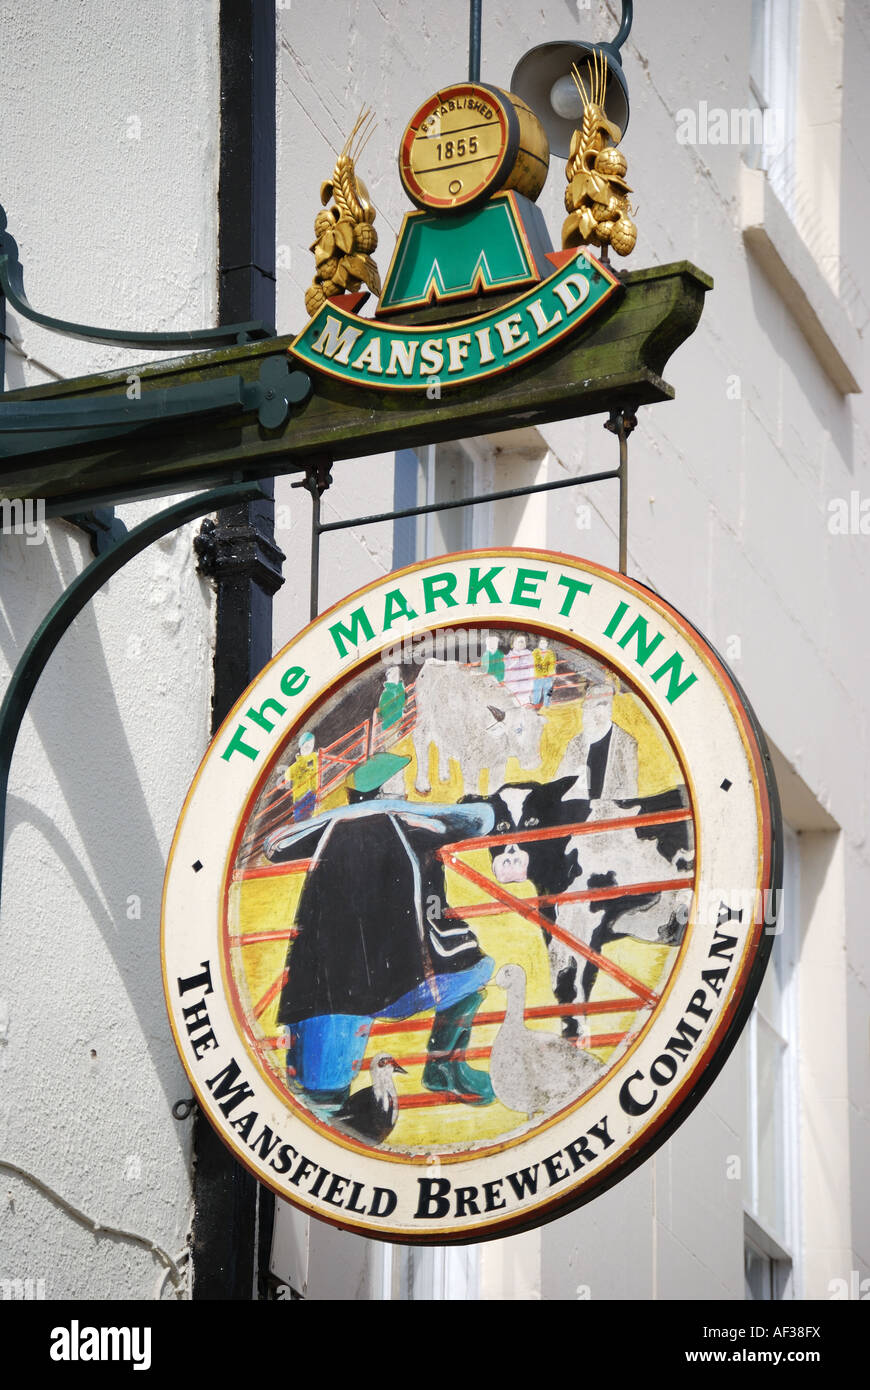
(471, 896)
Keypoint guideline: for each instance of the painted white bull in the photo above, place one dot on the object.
(620, 857)
(608, 859)
(469, 716)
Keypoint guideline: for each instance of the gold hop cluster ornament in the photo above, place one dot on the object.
(596, 196)
(345, 237)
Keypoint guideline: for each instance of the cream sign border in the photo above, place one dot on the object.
(596, 1141)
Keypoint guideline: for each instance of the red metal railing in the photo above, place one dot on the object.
(639, 997)
(338, 759)
(335, 762)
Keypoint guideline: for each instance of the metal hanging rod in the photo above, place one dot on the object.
(318, 478)
(504, 496)
(474, 41)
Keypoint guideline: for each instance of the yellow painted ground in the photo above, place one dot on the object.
(269, 904)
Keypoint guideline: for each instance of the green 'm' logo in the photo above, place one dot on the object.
(439, 258)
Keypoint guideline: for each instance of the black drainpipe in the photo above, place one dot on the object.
(232, 1223)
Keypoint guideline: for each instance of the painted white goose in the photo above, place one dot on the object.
(533, 1071)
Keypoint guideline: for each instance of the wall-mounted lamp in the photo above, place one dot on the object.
(543, 78)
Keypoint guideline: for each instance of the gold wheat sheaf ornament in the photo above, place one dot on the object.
(597, 195)
(344, 233)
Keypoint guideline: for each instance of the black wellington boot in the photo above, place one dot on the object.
(451, 1033)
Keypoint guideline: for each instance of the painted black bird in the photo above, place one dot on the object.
(372, 1112)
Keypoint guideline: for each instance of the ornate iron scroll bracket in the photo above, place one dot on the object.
(12, 287)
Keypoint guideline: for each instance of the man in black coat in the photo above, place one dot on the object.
(371, 939)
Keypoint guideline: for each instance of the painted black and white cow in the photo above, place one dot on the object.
(595, 859)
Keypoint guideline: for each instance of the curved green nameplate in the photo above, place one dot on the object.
(397, 358)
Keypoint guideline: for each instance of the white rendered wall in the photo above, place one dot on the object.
(108, 169)
(729, 510)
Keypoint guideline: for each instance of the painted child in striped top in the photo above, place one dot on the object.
(519, 671)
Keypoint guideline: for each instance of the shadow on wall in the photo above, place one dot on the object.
(75, 715)
(773, 318)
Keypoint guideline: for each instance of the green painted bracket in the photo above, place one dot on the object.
(30, 427)
(615, 362)
(33, 427)
(12, 286)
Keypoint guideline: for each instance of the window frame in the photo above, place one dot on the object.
(781, 1249)
(774, 31)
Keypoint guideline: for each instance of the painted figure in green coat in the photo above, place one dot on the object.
(391, 705)
(492, 660)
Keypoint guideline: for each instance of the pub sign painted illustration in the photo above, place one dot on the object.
(469, 899)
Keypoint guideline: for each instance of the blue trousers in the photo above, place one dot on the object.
(326, 1051)
(541, 687)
